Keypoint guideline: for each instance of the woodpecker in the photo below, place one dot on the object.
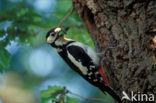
(81, 58)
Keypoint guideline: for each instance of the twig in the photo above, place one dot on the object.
(89, 99)
(66, 17)
(59, 25)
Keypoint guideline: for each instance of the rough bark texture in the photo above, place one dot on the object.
(130, 24)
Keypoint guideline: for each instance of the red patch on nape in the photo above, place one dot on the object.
(101, 71)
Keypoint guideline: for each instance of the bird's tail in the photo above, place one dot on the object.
(111, 92)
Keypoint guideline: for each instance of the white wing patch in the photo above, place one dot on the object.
(83, 69)
(91, 67)
(90, 73)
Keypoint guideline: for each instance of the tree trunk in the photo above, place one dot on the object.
(131, 25)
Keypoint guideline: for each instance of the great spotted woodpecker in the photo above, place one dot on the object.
(81, 59)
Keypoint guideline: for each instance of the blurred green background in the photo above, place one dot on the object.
(28, 65)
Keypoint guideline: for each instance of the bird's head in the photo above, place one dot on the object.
(53, 35)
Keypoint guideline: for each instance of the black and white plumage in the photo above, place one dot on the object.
(81, 59)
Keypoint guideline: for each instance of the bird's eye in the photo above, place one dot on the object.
(52, 34)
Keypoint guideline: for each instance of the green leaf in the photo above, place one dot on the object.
(51, 93)
(72, 100)
(4, 59)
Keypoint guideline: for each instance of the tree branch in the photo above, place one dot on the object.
(66, 17)
(59, 25)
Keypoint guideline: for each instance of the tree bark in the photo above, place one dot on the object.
(131, 25)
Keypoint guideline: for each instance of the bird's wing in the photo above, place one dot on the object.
(88, 51)
(79, 57)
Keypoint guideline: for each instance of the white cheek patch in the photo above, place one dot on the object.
(50, 39)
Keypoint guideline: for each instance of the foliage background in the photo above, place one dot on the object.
(28, 64)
